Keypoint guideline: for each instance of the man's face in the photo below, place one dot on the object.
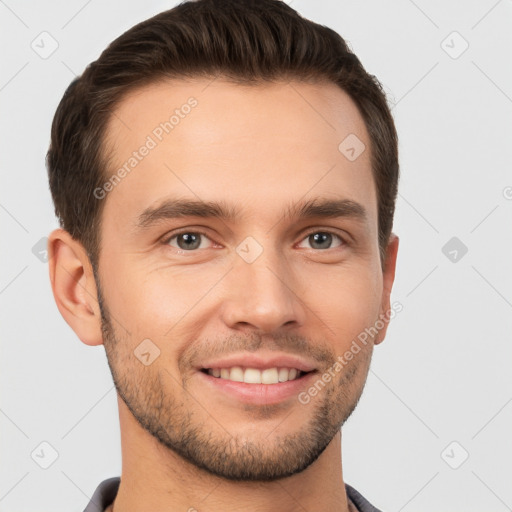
(249, 296)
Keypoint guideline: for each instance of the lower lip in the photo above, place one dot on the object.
(260, 394)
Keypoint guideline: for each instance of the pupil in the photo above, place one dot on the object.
(321, 238)
(187, 238)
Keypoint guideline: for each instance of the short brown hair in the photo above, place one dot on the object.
(245, 41)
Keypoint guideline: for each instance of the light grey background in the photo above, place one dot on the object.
(443, 373)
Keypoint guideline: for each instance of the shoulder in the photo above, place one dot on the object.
(362, 504)
(104, 495)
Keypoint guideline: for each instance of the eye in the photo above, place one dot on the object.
(187, 240)
(322, 240)
(191, 240)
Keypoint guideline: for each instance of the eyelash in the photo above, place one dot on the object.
(343, 240)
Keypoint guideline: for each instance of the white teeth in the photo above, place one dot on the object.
(269, 376)
(256, 376)
(236, 374)
(283, 374)
(252, 376)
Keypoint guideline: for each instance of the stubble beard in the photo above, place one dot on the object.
(209, 445)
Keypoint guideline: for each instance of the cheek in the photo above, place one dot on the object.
(151, 302)
(347, 302)
(159, 303)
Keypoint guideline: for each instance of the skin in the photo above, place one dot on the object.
(186, 446)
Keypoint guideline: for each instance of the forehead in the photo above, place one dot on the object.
(257, 146)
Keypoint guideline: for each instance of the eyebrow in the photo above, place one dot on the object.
(314, 208)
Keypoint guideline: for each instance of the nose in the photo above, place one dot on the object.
(262, 295)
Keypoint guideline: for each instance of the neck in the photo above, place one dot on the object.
(155, 478)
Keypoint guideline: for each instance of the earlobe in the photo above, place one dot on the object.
(388, 276)
(73, 286)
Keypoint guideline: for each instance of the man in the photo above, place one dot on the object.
(225, 177)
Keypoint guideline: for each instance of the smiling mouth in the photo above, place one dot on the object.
(273, 375)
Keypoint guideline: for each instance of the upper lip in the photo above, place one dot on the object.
(260, 361)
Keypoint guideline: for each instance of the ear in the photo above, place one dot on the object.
(388, 277)
(73, 286)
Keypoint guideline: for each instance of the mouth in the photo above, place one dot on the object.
(268, 376)
(260, 378)
(255, 386)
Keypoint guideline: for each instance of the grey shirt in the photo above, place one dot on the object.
(106, 492)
